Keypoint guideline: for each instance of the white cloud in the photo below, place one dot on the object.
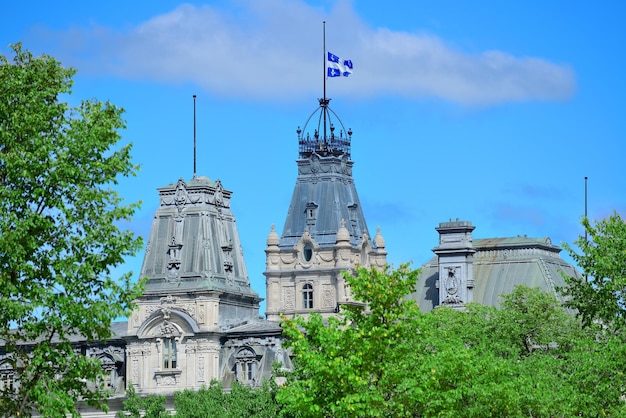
(273, 50)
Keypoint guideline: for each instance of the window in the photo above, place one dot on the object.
(246, 366)
(7, 381)
(250, 371)
(307, 253)
(169, 353)
(307, 296)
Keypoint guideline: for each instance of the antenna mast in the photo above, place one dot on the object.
(194, 136)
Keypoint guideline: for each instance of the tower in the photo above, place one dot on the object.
(325, 231)
(198, 318)
(455, 253)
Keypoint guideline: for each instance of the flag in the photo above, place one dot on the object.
(337, 67)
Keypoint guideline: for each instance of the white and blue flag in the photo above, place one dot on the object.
(338, 67)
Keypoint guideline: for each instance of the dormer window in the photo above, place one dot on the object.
(311, 213)
(246, 366)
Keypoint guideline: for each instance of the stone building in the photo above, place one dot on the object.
(480, 270)
(198, 319)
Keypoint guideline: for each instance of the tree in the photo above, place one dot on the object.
(135, 406)
(240, 402)
(600, 294)
(360, 363)
(60, 234)
(384, 358)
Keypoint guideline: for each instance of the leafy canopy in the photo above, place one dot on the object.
(384, 358)
(211, 401)
(600, 294)
(356, 364)
(60, 234)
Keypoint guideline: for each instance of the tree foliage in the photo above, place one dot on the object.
(212, 401)
(362, 362)
(600, 294)
(385, 358)
(60, 234)
(135, 406)
(239, 402)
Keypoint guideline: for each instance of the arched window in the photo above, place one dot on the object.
(307, 296)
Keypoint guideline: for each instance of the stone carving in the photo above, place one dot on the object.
(218, 199)
(135, 371)
(201, 314)
(328, 297)
(189, 308)
(288, 298)
(173, 263)
(149, 310)
(169, 299)
(200, 369)
(144, 349)
(168, 330)
(180, 196)
(451, 284)
(167, 380)
(228, 257)
(136, 318)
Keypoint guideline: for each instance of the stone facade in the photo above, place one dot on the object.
(198, 319)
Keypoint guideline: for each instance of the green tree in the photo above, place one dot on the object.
(240, 402)
(385, 358)
(60, 234)
(362, 362)
(600, 294)
(135, 406)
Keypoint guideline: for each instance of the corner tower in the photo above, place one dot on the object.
(325, 231)
(198, 318)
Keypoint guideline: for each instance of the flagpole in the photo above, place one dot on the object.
(194, 136)
(324, 102)
(324, 58)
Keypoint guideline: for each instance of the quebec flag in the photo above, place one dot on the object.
(337, 67)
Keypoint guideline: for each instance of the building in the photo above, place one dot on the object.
(466, 270)
(325, 232)
(198, 319)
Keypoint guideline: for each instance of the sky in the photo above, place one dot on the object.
(490, 112)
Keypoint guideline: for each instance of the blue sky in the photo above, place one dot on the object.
(492, 112)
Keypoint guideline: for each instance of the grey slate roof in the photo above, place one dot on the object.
(325, 187)
(194, 243)
(499, 265)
